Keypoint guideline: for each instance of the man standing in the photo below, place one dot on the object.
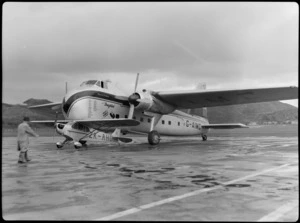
(24, 131)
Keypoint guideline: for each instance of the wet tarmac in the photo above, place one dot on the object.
(237, 177)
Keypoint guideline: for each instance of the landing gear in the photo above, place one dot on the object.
(59, 145)
(77, 145)
(204, 137)
(153, 138)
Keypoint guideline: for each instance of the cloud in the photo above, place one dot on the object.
(180, 44)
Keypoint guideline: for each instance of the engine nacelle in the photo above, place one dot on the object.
(147, 102)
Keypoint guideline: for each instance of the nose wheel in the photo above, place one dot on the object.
(59, 145)
(153, 138)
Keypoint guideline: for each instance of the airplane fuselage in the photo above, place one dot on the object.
(94, 103)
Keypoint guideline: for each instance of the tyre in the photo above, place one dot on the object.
(153, 138)
(59, 145)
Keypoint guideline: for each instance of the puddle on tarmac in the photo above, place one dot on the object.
(238, 185)
(112, 164)
(203, 180)
(168, 168)
(163, 181)
(125, 169)
(166, 186)
(90, 167)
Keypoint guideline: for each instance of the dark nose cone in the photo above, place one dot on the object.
(133, 99)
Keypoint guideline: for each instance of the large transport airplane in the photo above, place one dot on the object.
(96, 112)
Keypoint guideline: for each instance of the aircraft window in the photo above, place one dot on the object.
(141, 119)
(149, 120)
(169, 122)
(134, 117)
(80, 127)
(102, 84)
(90, 82)
(178, 123)
(126, 116)
(117, 116)
(163, 122)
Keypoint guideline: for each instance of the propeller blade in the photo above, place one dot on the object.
(131, 110)
(133, 98)
(56, 114)
(136, 82)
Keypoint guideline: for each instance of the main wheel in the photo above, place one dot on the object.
(77, 145)
(153, 138)
(204, 137)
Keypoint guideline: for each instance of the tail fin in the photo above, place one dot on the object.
(203, 111)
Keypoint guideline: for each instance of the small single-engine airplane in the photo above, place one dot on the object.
(95, 112)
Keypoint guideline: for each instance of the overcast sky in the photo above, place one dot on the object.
(173, 45)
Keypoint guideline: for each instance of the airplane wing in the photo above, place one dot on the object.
(98, 124)
(212, 98)
(107, 124)
(49, 121)
(224, 126)
(53, 106)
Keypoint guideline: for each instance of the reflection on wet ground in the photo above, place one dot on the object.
(101, 180)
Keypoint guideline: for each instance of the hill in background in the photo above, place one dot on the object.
(246, 113)
(260, 113)
(12, 115)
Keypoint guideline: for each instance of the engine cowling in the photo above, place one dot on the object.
(145, 101)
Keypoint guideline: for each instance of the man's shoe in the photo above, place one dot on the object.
(21, 161)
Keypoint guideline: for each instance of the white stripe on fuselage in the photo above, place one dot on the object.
(177, 123)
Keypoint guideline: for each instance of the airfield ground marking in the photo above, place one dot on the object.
(171, 199)
(279, 212)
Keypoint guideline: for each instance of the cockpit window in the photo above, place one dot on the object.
(90, 82)
(101, 84)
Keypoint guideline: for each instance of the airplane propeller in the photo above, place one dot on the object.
(56, 114)
(133, 98)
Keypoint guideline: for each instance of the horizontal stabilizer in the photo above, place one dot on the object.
(224, 126)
